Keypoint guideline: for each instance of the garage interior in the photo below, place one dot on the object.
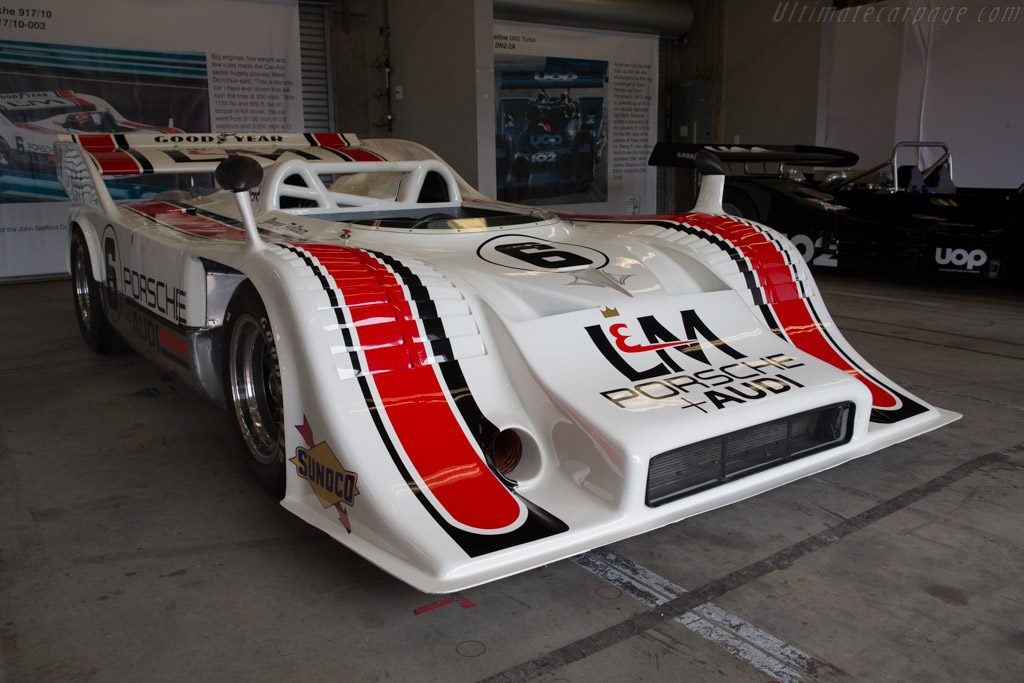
(135, 546)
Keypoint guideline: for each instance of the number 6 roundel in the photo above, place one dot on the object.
(522, 252)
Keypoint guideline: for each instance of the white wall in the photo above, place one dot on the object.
(770, 79)
(441, 53)
(940, 80)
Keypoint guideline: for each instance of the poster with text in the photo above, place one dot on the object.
(146, 68)
(575, 117)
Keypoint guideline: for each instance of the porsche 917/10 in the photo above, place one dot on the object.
(30, 122)
(460, 389)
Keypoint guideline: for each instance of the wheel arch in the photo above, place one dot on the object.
(222, 282)
(93, 242)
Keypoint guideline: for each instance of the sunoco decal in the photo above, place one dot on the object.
(332, 483)
(680, 363)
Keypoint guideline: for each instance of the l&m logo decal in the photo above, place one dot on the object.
(332, 483)
(619, 340)
(667, 382)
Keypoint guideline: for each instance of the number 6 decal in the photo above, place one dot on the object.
(522, 252)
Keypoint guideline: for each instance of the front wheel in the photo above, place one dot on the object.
(252, 387)
(87, 292)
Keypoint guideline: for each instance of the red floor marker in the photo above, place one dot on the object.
(464, 603)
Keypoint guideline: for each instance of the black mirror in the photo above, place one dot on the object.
(239, 173)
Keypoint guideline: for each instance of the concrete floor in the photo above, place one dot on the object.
(133, 547)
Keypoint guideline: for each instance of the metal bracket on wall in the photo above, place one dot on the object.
(383, 64)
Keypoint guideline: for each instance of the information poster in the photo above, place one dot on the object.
(575, 117)
(127, 67)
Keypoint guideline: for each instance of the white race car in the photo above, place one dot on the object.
(460, 389)
(29, 121)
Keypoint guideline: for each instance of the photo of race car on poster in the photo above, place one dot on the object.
(550, 135)
(74, 89)
(167, 74)
(575, 118)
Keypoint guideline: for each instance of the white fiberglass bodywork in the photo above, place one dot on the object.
(471, 388)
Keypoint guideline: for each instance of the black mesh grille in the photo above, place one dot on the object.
(708, 463)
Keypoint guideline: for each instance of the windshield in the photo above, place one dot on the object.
(379, 185)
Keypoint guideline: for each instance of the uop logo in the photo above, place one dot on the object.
(555, 76)
(960, 257)
(546, 139)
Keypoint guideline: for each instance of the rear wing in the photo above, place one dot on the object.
(143, 154)
(85, 161)
(682, 155)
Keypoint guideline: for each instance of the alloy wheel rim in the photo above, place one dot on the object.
(81, 275)
(256, 390)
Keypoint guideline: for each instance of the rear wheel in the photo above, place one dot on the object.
(252, 387)
(92, 321)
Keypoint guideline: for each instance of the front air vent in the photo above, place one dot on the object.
(703, 465)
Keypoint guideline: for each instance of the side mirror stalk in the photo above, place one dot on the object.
(239, 174)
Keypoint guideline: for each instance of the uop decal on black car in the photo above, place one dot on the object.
(966, 260)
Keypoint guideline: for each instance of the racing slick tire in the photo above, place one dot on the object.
(97, 333)
(252, 388)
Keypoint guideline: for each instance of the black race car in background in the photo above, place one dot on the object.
(913, 221)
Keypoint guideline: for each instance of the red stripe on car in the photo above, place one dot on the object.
(332, 140)
(69, 95)
(358, 154)
(175, 217)
(117, 162)
(111, 159)
(97, 143)
(782, 295)
(173, 343)
(412, 396)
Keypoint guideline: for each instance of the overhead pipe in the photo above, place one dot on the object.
(668, 18)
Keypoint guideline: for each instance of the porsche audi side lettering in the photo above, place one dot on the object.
(154, 294)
